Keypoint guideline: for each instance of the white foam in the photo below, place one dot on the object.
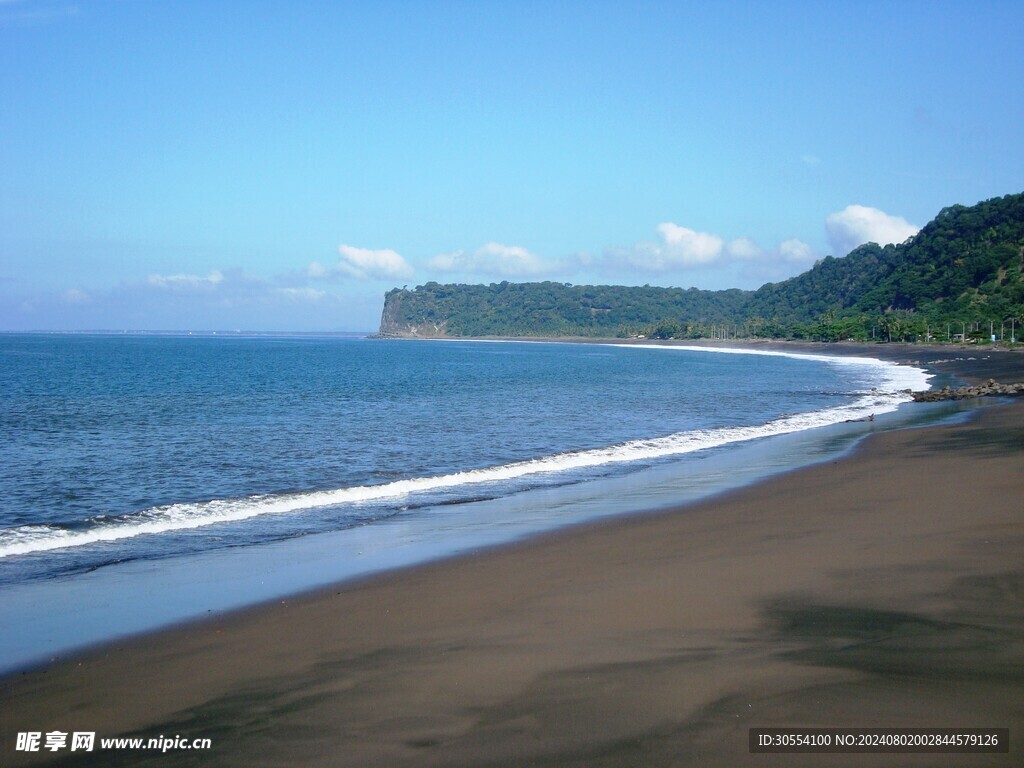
(178, 517)
(894, 377)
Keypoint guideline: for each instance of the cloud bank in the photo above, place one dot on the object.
(493, 259)
(226, 299)
(183, 281)
(859, 224)
(234, 298)
(75, 296)
(367, 264)
(680, 248)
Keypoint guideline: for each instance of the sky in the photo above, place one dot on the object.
(279, 166)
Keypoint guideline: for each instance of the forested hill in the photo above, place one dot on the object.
(548, 309)
(964, 268)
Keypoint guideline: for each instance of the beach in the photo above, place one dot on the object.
(884, 589)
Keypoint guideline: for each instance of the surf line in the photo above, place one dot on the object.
(186, 516)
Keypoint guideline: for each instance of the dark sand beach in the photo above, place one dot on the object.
(883, 589)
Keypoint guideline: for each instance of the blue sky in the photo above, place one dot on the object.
(280, 165)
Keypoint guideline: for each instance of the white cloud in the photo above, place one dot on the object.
(858, 224)
(366, 264)
(316, 270)
(743, 249)
(186, 281)
(231, 299)
(687, 248)
(795, 250)
(788, 258)
(75, 296)
(493, 259)
(583, 259)
(447, 262)
(678, 248)
(302, 294)
(681, 248)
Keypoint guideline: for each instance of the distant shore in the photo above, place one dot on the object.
(883, 589)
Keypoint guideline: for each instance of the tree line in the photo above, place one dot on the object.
(962, 274)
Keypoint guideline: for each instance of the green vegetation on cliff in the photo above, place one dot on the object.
(548, 309)
(961, 273)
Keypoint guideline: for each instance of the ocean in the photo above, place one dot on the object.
(146, 479)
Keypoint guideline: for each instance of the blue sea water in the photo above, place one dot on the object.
(158, 450)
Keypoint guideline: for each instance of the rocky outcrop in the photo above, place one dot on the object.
(390, 319)
(989, 388)
(396, 318)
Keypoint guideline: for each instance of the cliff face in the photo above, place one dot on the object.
(399, 318)
(389, 317)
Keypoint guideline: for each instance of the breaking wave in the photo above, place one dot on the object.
(894, 381)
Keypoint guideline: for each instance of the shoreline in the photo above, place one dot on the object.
(970, 363)
(80, 615)
(519, 625)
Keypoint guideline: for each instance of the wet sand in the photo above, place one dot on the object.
(884, 589)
